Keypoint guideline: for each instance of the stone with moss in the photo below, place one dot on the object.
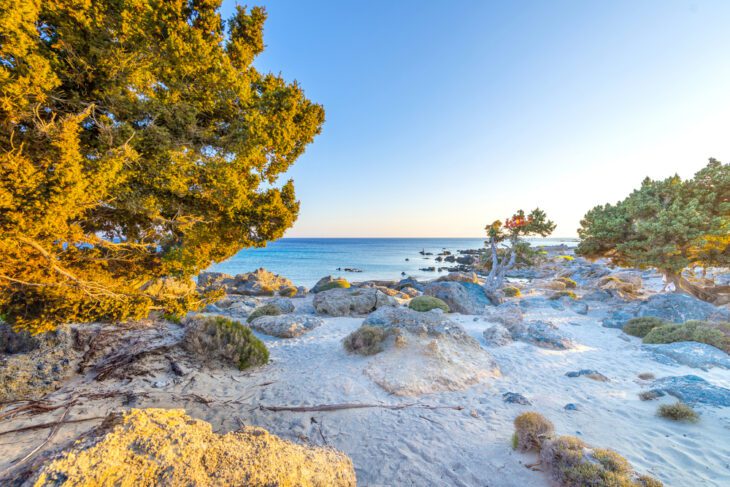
(218, 339)
(511, 291)
(564, 294)
(569, 283)
(427, 303)
(329, 282)
(269, 309)
(168, 447)
(639, 327)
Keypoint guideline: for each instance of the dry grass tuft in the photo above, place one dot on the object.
(531, 430)
(678, 412)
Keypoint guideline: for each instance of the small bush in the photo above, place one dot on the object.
(531, 430)
(511, 291)
(220, 339)
(337, 283)
(569, 283)
(564, 294)
(172, 318)
(639, 327)
(366, 340)
(427, 303)
(715, 334)
(567, 258)
(265, 310)
(288, 292)
(678, 412)
(572, 463)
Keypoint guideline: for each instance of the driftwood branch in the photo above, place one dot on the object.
(49, 425)
(339, 407)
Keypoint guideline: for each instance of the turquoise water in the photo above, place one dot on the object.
(306, 260)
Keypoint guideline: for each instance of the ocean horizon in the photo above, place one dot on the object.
(305, 260)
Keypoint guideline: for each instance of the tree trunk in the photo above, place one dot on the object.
(682, 285)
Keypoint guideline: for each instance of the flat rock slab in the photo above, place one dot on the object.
(286, 326)
(693, 390)
(691, 354)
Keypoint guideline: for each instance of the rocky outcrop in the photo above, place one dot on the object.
(286, 326)
(691, 354)
(459, 277)
(497, 336)
(462, 297)
(258, 283)
(346, 302)
(330, 282)
(166, 447)
(425, 353)
(542, 334)
(672, 307)
(692, 390)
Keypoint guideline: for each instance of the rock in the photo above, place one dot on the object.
(550, 285)
(283, 304)
(459, 277)
(427, 269)
(461, 297)
(508, 314)
(624, 285)
(535, 302)
(691, 354)
(410, 282)
(329, 282)
(543, 334)
(257, 283)
(693, 390)
(598, 295)
(426, 353)
(12, 342)
(346, 302)
(578, 306)
(286, 326)
(167, 447)
(673, 307)
(410, 292)
(515, 398)
(590, 373)
(570, 407)
(214, 280)
(466, 260)
(497, 336)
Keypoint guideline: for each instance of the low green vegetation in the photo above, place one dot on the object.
(531, 429)
(678, 411)
(564, 294)
(511, 291)
(639, 327)
(288, 292)
(172, 318)
(336, 283)
(569, 283)
(265, 310)
(427, 303)
(715, 334)
(214, 338)
(567, 258)
(366, 340)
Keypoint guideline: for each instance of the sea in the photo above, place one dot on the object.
(306, 260)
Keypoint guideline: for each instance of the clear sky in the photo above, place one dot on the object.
(444, 116)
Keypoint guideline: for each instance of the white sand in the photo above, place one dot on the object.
(416, 446)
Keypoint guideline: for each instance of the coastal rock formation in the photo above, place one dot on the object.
(166, 447)
(672, 307)
(346, 302)
(426, 353)
(459, 277)
(462, 297)
(286, 326)
(257, 283)
(692, 390)
(330, 282)
(691, 354)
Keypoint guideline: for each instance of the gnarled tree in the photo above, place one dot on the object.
(508, 237)
(668, 225)
(137, 145)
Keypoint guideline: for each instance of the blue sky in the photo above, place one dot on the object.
(444, 116)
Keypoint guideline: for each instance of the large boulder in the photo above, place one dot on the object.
(286, 326)
(691, 354)
(672, 307)
(462, 297)
(425, 352)
(692, 390)
(346, 302)
(167, 447)
(257, 283)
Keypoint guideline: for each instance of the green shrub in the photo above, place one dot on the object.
(569, 283)
(715, 334)
(219, 339)
(427, 303)
(288, 292)
(573, 463)
(265, 310)
(564, 294)
(366, 340)
(337, 283)
(639, 327)
(172, 318)
(531, 430)
(511, 291)
(567, 258)
(678, 411)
